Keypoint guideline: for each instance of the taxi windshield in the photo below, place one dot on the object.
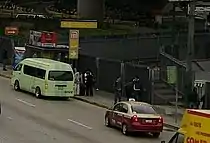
(139, 109)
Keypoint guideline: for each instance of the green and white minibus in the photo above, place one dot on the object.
(44, 77)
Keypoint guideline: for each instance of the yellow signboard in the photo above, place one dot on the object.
(74, 39)
(73, 44)
(78, 24)
(73, 53)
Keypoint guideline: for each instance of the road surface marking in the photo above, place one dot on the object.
(25, 102)
(80, 124)
(10, 118)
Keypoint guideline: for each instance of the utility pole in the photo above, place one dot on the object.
(190, 47)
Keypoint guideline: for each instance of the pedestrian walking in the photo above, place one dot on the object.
(5, 58)
(89, 82)
(118, 90)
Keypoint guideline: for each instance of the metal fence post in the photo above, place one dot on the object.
(151, 78)
(122, 74)
(97, 73)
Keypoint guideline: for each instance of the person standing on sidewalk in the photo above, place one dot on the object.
(77, 83)
(89, 82)
(5, 58)
(137, 89)
(193, 99)
(118, 90)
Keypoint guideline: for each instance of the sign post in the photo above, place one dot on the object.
(73, 44)
(172, 79)
(74, 35)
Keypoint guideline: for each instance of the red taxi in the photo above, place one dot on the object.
(131, 116)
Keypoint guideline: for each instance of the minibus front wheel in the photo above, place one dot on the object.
(16, 86)
(38, 92)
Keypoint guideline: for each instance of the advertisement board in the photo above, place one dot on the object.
(18, 55)
(43, 39)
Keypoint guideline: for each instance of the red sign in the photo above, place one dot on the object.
(11, 31)
(48, 39)
(43, 39)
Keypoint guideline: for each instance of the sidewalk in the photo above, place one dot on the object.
(106, 100)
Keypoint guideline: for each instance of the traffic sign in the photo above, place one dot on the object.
(73, 44)
(73, 54)
(74, 39)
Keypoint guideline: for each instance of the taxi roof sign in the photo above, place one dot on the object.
(131, 99)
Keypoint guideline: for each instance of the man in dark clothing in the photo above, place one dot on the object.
(129, 89)
(89, 82)
(137, 89)
(193, 99)
(4, 57)
(118, 90)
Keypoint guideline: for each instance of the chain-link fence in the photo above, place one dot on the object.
(167, 60)
(106, 71)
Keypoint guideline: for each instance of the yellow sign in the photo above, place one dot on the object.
(73, 39)
(73, 44)
(73, 53)
(78, 24)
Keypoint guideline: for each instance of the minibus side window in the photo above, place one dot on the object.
(18, 67)
(36, 72)
(41, 73)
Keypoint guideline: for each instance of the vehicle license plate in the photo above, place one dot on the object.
(60, 88)
(148, 121)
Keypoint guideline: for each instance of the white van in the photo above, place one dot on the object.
(44, 77)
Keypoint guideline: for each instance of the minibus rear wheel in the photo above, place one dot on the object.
(37, 92)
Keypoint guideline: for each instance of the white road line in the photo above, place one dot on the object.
(80, 124)
(10, 118)
(26, 103)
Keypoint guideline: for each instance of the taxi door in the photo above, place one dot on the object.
(116, 115)
(120, 116)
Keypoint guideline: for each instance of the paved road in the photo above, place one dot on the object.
(27, 119)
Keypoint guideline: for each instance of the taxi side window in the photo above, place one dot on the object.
(117, 107)
(124, 108)
(18, 67)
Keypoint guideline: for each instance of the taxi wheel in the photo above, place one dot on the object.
(37, 92)
(156, 135)
(107, 122)
(124, 129)
(16, 86)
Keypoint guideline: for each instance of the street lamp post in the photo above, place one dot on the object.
(190, 46)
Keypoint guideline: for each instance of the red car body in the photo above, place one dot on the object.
(134, 122)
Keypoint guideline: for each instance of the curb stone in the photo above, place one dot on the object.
(106, 107)
(98, 104)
